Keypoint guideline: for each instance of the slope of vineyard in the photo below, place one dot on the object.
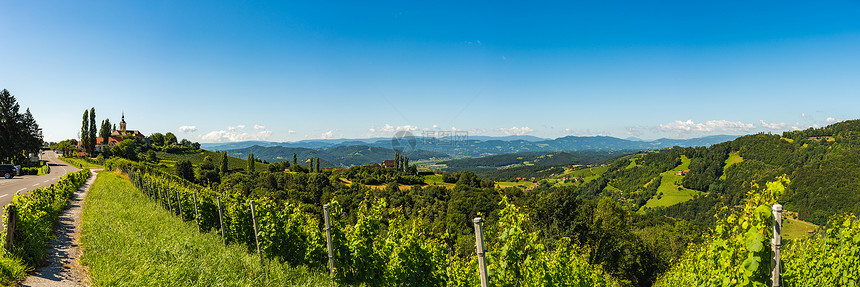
(380, 247)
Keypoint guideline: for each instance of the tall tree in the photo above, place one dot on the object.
(85, 130)
(224, 162)
(10, 128)
(318, 164)
(157, 139)
(93, 130)
(295, 163)
(105, 131)
(251, 163)
(32, 134)
(169, 139)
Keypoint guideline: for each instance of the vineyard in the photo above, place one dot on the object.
(381, 248)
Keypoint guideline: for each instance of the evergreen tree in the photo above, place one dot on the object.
(397, 160)
(19, 133)
(224, 162)
(104, 132)
(93, 131)
(318, 164)
(85, 130)
(251, 163)
(295, 162)
(405, 163)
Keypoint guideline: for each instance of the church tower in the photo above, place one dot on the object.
(122, 123)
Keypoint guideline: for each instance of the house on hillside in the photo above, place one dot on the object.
(388, 163)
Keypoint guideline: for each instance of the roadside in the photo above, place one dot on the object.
(64, 251)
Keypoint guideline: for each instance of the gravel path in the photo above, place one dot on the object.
(64, 253)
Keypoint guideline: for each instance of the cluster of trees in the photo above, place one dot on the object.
(19, 132)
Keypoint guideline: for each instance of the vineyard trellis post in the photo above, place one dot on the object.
(479, 242)
(328, 242)
(256, 232)
(179, 203)
(196, 212)
(221, 219)
(11, 222)
(776, 244)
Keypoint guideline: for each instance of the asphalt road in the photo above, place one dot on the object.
(25, 183)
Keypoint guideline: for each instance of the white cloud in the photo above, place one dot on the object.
(773, 126)
(291, 132)
(188, 129)
(709, 126)
(235, 134)
(387, 128)
(830, 119)
(516, 131)
(435, 126)
(259, 127)
(327, 135)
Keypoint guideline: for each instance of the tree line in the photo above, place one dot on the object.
(19, 132)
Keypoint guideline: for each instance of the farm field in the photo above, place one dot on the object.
(733, 159)
(796, 229)
(130, 241)
(672, 193)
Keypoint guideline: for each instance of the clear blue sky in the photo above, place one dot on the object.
(215, 71)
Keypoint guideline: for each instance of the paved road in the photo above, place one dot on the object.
(25, 183)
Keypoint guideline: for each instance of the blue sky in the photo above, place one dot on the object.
(217, 71)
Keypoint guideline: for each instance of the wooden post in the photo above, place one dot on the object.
(256, 232)
(328, 242)
(479, 242)
(221, 218)
(179, 203)
(196, 212)
(11, 222)
(169, 204)
(776, 244)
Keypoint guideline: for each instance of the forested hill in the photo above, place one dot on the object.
(533, 159)
(823, 165)
(339, 156)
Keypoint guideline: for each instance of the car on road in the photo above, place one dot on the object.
(8, 170)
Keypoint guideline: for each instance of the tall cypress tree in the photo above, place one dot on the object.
(93, 130)
(318, 164)
(251, 163)
(224, 162)
(295, 162)
(85, 130)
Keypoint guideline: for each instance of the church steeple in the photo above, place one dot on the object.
(122, 123)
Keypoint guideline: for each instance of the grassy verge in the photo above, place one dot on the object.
(128, 240)
(12, 269)
(79, 163)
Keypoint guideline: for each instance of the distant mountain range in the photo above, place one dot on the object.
(349, 152)
(477, 146)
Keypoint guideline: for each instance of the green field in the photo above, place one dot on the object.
(672, 194)
(130, 241)
(196, 158)
(586, 175)
(796, 229)
(521, 185)
(733, 159)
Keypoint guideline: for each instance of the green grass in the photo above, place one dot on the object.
(672, 194)
(129, 241)
(12, 269)
(586, 175)
(796, 229)
(520, 185)
(79, 163)
(733, 159)
(196, 158)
